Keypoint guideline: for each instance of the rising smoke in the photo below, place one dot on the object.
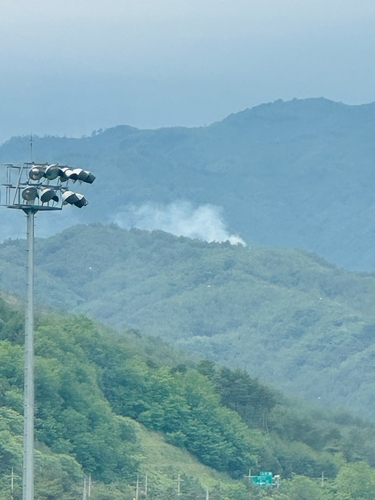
(179, 218)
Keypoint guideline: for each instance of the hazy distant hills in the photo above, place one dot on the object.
(291, 174)
(287, 316)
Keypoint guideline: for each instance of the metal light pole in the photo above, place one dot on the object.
(28, 434)
(32, 188)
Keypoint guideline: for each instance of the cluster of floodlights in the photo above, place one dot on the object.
(45, 186)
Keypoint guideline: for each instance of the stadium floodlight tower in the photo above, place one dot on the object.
(36, 187)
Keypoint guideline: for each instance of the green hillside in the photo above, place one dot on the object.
(107, 408)
(291, 174)
(286, 316)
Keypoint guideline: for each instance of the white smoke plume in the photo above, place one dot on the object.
(179, 218)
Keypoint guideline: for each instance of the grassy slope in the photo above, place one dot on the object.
(286, 316)
(163, 463)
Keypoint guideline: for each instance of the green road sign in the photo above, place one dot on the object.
(265, 478)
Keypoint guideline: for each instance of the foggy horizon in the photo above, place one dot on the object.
(73, 67)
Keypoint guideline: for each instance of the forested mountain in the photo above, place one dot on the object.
(107, 406)
(124, 404)
(286, 316)
(291, 174)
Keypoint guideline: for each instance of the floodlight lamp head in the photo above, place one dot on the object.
(65, 173)
(85, 176)
(78, 175)
(47, 195)
(90, 177)
(36, 173)
(70, 198)
(30, 193)
(81, 202)
(52, 172)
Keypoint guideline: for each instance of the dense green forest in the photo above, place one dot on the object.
(296, 174)
(288, 317)
(121, 406)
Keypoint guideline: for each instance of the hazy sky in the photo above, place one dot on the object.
(72, 66)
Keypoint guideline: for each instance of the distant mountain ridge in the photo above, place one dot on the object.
(294, 174)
